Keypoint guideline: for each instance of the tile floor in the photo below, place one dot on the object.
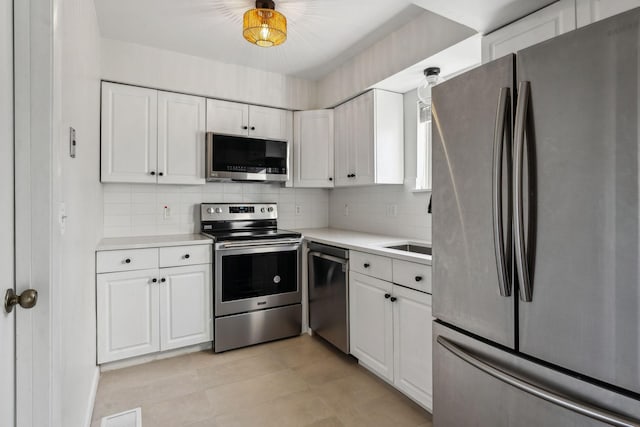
(300, 381)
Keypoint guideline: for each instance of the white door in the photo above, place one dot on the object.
(268, 123)
(128, 317)
(186, 312)
(313, 149)
(412, 344)
(129, 134)
(371, 323)
(181, 135)
(7, 281)
(342, 123)
(363, 139)
(589, 11)
(229, 118)
(542, 25)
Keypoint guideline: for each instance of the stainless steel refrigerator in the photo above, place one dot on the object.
(536, 237)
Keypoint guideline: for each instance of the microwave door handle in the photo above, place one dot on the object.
(208, 154)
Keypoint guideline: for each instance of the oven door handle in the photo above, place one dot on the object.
(258, 243)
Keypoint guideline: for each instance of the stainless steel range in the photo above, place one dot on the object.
(257, 295)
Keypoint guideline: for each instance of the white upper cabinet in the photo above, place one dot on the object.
(181, 135)
(369, 140)
(553, 20)
(313, 148)
(234, 118)
(129, 134)
(149, 136)
(589, 11)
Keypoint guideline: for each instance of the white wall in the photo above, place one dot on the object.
(368, 205)
(79, 188)
(137, 209)
(163, 69)
(426, 35)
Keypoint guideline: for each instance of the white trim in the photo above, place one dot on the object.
(92, 397)
(139, 360)
(137, 413)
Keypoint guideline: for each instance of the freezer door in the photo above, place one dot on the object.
(471, 124)
(580, 194)
(476, 384)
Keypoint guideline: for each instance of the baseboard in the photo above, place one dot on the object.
(139, 360)
(92, 397)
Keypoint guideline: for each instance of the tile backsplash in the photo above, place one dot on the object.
(139, 209)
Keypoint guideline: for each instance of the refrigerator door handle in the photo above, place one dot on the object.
(526, 292)
(521, 383)
(498, 233)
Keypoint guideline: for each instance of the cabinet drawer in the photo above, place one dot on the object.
(176, 256)
(412, 275)
(130, 259)
(371, 265)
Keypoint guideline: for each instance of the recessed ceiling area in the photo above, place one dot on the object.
(322, 34)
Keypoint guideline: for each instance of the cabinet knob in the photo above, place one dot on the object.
(330, 179)
(245, 127)
(163, 280)
(152, 173)
(127, 261)
(367, 265)
(418, 278)
(187, 256)
(394, 299)
(160, 173)
(387, 296)
(154, 280)
(253, 128)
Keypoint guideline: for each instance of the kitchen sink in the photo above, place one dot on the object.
(419, 249)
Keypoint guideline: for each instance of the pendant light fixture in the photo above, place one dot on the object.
(431, 78)
(264, 26)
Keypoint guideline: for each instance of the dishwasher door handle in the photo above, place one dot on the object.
(329, 257)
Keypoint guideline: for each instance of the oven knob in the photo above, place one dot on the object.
(263, 210)
(270, 209)
(218, 210)
(210, 210)
(276, 279)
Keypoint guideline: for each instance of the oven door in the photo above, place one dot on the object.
(256, 275)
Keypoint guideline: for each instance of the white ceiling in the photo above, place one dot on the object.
(483, 16)
(322, 34)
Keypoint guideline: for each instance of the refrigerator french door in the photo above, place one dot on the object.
(535, 234)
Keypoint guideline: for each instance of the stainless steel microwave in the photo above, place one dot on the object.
(240, 158)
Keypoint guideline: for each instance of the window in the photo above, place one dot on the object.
(423, 157)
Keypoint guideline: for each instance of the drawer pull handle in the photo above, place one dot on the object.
(367, 265)
(387, 296)
(394, 299)
(418, 278)
(127, 261)
(154, 280)
(187, 256)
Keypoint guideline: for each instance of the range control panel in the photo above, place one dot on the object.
(238, 212)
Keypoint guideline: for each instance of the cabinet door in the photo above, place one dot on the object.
(127, 307)
(185, 306)
(181, 134)
(269, 123)
(412, 344)
(229, 118)
(371, 323)
(589, 11)
(542, 25)
(129, 136)
(342, 144)
(362, 160)
(313, 149)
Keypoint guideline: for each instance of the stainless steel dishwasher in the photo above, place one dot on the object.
(329, 293)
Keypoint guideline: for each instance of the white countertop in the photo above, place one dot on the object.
(137, 242)
(365, 242)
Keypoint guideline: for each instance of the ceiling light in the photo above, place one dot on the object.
(431, 78)
(264, 26)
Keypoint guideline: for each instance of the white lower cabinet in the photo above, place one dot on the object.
(156, 309)
(390, 334)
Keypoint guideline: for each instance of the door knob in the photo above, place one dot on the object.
(27, 299)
